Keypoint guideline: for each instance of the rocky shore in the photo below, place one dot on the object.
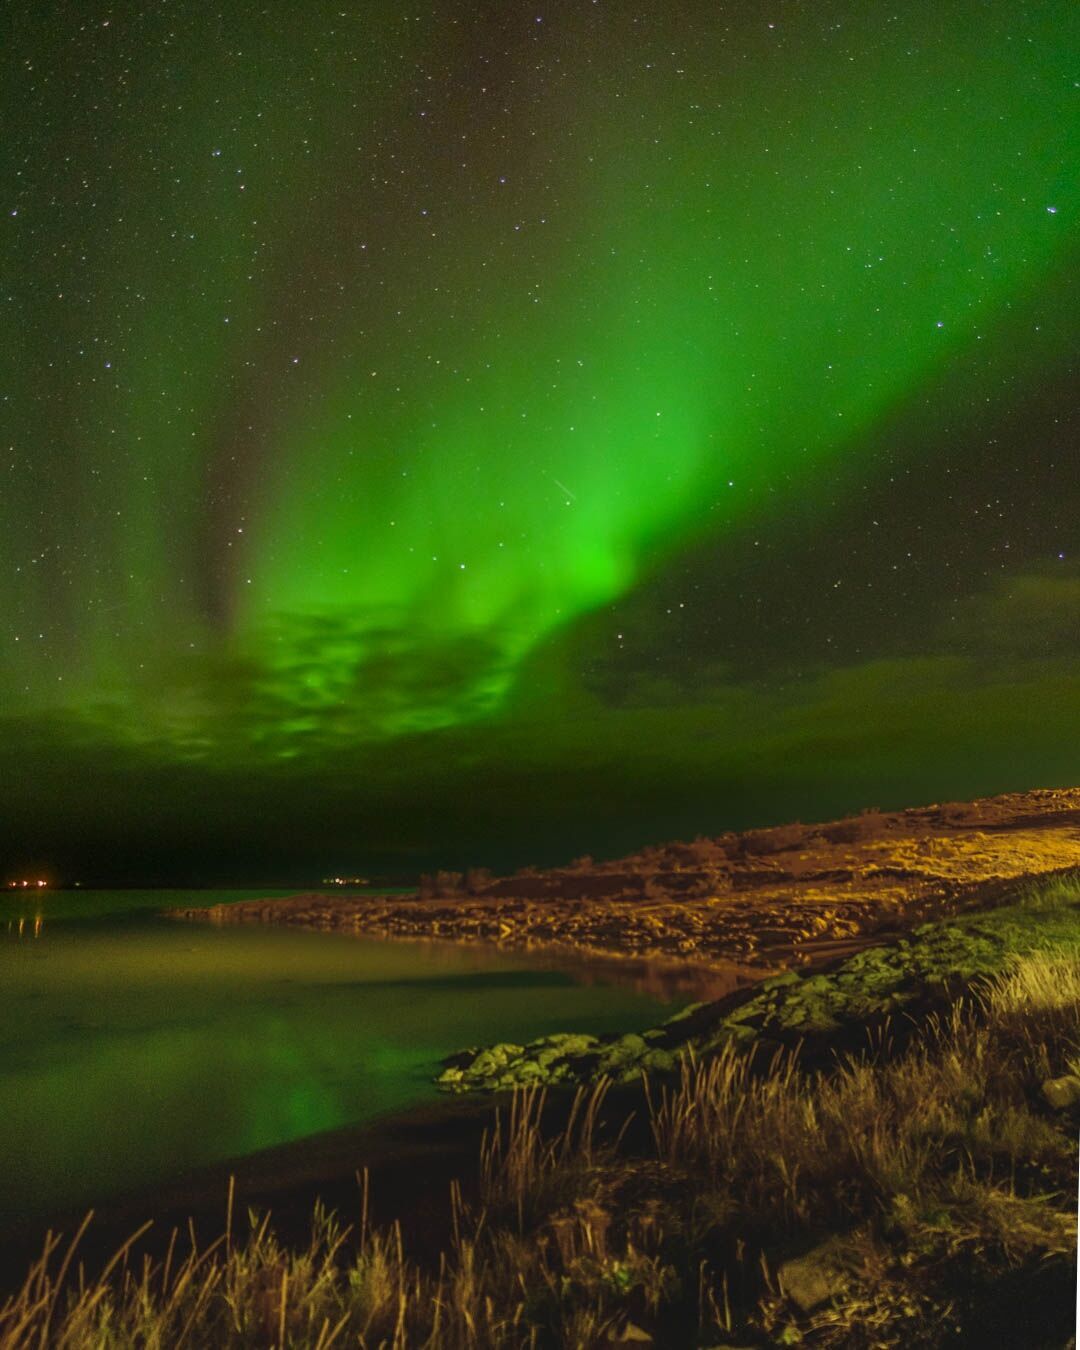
(761, 901)
(822, 1010)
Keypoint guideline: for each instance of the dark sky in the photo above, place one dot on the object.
(492, 433)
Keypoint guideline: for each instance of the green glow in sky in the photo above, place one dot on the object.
(386, 376)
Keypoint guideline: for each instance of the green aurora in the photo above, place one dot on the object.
(496, 432)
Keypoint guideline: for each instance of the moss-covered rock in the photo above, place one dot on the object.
(793, 1004)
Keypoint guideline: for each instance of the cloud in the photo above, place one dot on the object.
(1031, 614)
(306, 685)
(352, 740)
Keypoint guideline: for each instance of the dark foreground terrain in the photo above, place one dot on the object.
(919, 1191)
(876, 1150)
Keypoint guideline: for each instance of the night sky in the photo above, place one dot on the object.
(487, 433)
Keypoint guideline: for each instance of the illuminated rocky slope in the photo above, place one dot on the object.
(753, 901)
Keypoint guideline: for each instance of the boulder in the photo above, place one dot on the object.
(660, 1061)
(1061, 1093)
(780, 981)
(633, 1334)
(821, 1274)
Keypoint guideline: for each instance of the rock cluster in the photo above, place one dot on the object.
(756, 900)
(788, 1007)
(557, 1059)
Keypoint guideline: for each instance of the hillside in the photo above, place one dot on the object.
(754, 901)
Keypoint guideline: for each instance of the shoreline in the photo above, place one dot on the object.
(973, 856)
(750, 904)
(409, 1153)
(811, 1012)
(431, 1193)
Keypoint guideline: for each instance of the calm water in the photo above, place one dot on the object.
(133, 1047)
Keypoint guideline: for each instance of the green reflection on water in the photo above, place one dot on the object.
(133, 1048)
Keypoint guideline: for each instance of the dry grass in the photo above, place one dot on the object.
(947, 1181)
(1060, 891)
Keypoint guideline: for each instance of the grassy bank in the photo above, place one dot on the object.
(820, 1011)
(919, 1193)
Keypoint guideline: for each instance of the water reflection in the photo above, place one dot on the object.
(134, 1048)
(664, 981)
(23, 927)
(667, 982)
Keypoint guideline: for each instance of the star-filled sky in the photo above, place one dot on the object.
(487, 432)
